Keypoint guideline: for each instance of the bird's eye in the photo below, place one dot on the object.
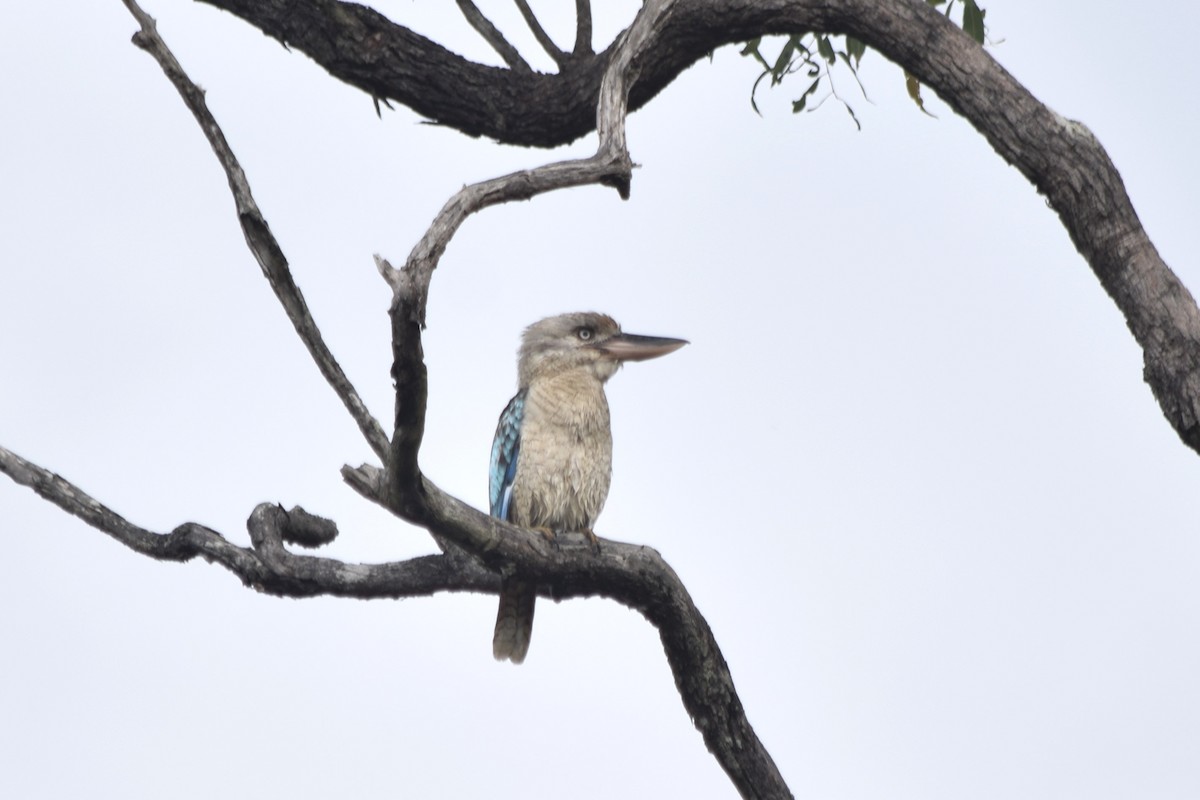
(584, 333)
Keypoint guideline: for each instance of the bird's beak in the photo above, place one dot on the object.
(631, 347)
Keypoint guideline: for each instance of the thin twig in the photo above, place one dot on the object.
(612, 168)
(583, 28)
(492, 35)
(540, 34)
(258, 235)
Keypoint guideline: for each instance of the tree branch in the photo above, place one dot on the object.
(258, 235)
(1067, 164)
(540, 34)
(1060, 157)
(636, 576)
(267, 566)
(361, 47)
(492, 35)
(583, 28)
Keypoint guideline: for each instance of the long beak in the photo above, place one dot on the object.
(631, 347)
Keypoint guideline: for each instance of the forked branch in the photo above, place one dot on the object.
(267, 565)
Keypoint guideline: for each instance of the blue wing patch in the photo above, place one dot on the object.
(506, 447)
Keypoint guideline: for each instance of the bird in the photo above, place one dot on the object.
(551, 461)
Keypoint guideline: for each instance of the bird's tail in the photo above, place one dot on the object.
(514, 621)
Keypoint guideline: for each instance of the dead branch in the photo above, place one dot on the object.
(267, 566)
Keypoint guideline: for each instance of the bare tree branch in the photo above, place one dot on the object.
(492, 35)
(360, 46)
(540, 34)
(258, 235)
(267, 566)
(75, 501)
(583, 28)
(634, 575)
(608, 168)
(1067, 164)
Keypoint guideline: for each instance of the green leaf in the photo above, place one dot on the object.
(798, 105)
(825, 49)
(784, 61)
(854, 50)
(914, 90)
(751, 49)
(973, 20)
(754, 91)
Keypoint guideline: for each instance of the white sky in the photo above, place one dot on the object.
(908, 467)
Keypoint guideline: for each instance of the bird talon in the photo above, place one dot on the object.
(593, 539)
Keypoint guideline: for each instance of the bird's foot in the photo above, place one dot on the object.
(593, 540)
(549, 535)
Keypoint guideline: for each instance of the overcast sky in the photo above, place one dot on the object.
(908, 467)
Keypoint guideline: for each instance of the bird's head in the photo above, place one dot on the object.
(586, 341)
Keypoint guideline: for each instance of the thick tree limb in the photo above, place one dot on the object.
(360, 46)
(1060, 157)
(1068, 165)
(258, 235)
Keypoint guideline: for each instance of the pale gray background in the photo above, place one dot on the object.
(908, 467)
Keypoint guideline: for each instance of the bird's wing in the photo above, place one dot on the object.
(506, 447)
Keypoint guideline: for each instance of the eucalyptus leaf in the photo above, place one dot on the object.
(798, 105)
(825, 49)
(973, 20)
(855, 49)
